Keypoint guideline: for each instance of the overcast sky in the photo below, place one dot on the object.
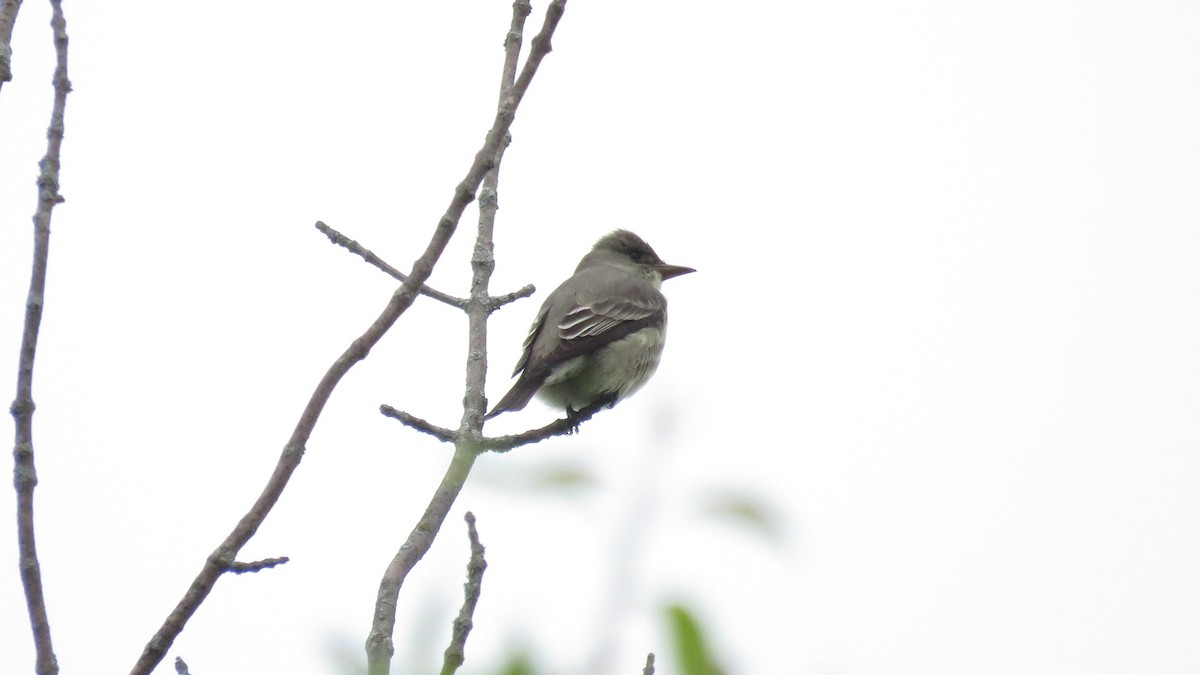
(944, 331)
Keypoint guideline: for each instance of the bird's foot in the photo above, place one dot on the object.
(575, 419)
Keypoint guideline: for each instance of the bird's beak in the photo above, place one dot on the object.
(669, 271)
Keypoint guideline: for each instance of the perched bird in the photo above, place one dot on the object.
(599, 335)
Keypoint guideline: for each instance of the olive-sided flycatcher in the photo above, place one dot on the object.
(599, 335)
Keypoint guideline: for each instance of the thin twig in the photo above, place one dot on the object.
(257, 565)
(24, 469)
(499, 301)
(370, 258)
(649, 669)
(539, 48)
(377, 262)
(455, 656)
(560, 427)
(379, 641)
(293, 451)
(441, 433)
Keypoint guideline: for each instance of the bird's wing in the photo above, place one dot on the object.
(527, 348)
(587, 326)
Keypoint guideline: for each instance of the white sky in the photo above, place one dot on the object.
(945, 324)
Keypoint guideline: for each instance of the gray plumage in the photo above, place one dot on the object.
(599, 335)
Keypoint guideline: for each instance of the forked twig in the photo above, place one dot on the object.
(293, 450)
(467, 447)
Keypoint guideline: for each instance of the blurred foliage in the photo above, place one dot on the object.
(519, 663)
(748, 512)
(692, 650)
(569, 477)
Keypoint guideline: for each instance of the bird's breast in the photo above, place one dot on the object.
(620, 367)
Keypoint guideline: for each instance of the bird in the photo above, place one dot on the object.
(599, 336)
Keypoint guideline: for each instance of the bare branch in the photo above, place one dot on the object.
(512, 45)
(499, 301)
(377, 262)
(379, 643)
(539, 48)
(649, 669)
(441, 433)
(8, 18)
(24, 470)
(454, 656)
(561, 427)
(257, 565)
(382, 265)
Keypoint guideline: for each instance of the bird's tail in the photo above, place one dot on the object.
(516, 398)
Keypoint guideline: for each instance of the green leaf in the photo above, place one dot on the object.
(691, 646)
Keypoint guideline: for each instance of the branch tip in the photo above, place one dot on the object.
(258, 565)
(378, 263)
(454, 655)
(412, 421)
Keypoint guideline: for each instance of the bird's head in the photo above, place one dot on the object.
(628, 247)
